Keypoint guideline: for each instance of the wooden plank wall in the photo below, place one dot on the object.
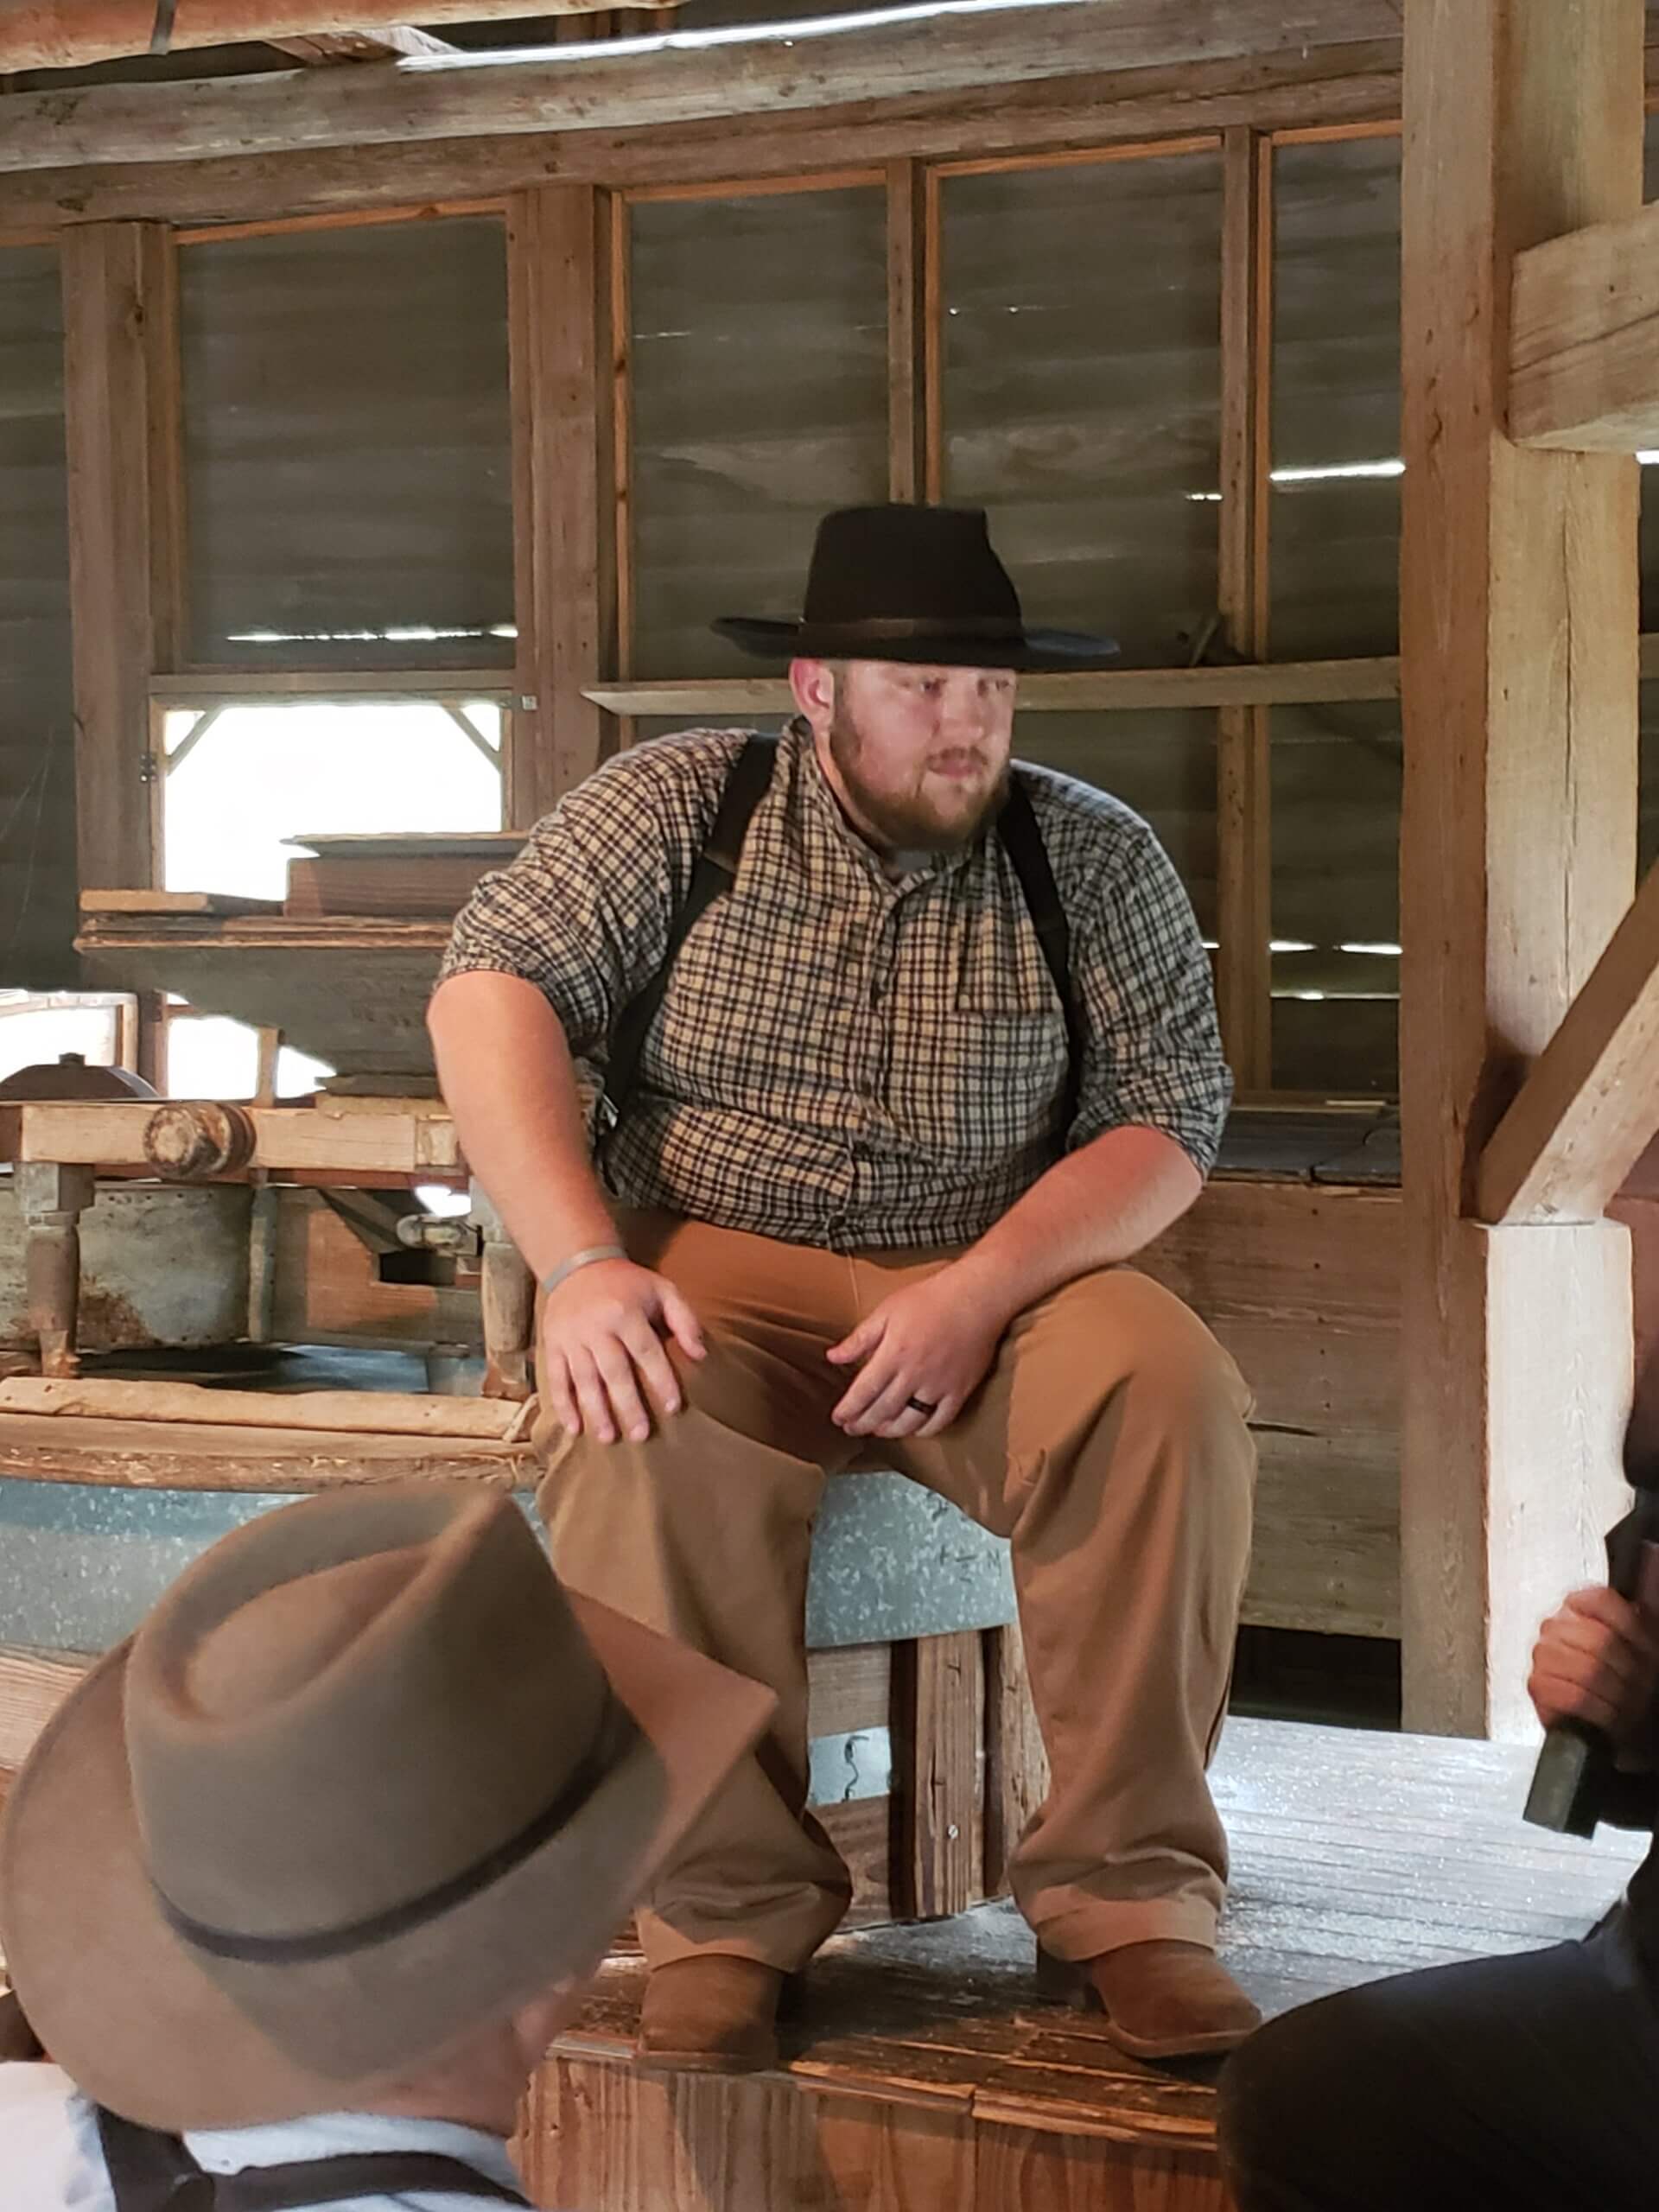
(346, 439)
(759, 397)
(37, 788)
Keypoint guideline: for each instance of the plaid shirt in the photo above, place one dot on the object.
(844, 1059)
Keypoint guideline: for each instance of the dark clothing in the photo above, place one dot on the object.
(1530, 2083)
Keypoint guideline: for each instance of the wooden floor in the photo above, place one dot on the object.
(922, 2071)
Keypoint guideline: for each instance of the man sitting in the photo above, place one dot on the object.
(1530, 2083)
(300, 1881)
(931, 1052)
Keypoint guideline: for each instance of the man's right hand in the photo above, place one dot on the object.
(1597, 1661)
(604, 1350)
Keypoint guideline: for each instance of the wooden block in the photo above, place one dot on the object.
(939, 1770)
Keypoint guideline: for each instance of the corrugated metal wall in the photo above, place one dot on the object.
(37, 788)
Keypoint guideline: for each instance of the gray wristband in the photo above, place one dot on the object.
(585, 1259)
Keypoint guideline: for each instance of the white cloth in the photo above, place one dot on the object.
(50, 2159)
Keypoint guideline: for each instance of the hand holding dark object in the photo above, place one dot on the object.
(17, 2038)
(1599, 1653)
(1597, 1662)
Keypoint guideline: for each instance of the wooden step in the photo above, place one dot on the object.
(923, 2071)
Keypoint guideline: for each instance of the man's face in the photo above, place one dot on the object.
(917, 755)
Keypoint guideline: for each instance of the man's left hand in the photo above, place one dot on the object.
(920, 1356)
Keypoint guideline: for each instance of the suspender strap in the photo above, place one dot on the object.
(713, 876)
(153, 2173)
(1022, 840)
(717, 872)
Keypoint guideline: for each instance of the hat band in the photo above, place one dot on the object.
(924, 626)
(432, 1904)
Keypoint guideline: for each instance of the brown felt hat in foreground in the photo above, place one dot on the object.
(366, 1780)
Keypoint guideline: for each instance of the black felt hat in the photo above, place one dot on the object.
(913, 584)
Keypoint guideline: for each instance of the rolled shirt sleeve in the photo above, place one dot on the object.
(584, 912)
(1153, 1057)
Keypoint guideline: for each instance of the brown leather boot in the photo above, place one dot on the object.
(1161, 2000)
(710, 2014)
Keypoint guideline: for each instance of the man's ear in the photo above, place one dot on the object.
(813, 683)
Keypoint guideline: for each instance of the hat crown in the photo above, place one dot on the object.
(894, 563)
(337, 1711)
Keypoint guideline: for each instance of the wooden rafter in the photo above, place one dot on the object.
(70, 34)
(392, 42)
(762, 71)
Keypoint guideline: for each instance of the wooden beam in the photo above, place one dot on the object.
(938, 1728)
(1518, 626)
(559, 296)
(657, 82)
(1584, 339)
(70, 34)
(1243, 772)
(121, 408)
(1322, 87)
(1302, 683)
(395, 42)
(912, 292)
(1589, 1105)
(289, 1138)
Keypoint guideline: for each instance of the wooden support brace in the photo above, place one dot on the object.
(1584, 339)
(1590, 1104)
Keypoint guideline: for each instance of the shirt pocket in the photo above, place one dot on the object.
(999, 1078)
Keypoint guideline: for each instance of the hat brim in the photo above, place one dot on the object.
(125, 2005)
(1036, 649)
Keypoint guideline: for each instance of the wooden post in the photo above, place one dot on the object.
(559, 292)
(939, 1771)
(1518, 632)
(1243, 785)
(121, 410)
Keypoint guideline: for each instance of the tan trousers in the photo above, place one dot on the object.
(1108, 1442)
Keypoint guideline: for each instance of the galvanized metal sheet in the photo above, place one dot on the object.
(159, 1265)
(79, 1566)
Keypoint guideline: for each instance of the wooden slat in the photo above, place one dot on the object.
(369, 1412)
(1316, 85)
(156, 1455)
(849, 1688)
(222, 687)
(939, 1769)
(558, 288)
(1518, 629)
(1589, 1103)
(69, 33)
(811, 63)
(174, 902)
(32, 1685)
(125, 504)
(1016, 1764)
(1584, 339)
(910, 287)
(391, 42)
(1129, 690)
(1243, 781)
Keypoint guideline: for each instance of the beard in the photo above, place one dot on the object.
(910, 821)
